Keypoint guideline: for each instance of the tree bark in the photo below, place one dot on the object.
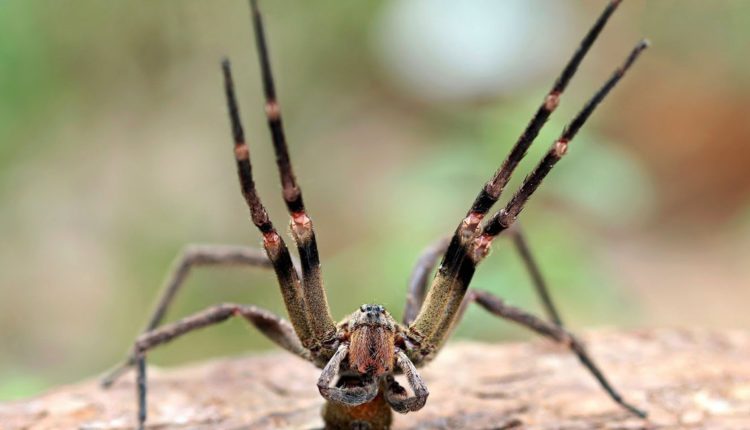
(685, 379)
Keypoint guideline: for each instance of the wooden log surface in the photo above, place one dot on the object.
(686, 379)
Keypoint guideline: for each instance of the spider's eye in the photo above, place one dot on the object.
(363, 308)
(380, 308)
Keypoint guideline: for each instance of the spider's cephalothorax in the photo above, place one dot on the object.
(360, 355)
(372, 333)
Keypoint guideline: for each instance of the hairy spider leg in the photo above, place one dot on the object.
(349, 396)
(274, 327)
(321, 322)
(428, 259)
(503, 219)
(535, 272)
(190, 256)
(494, 187)
(451, 281)
(278, 253)
(396, 396)
(498, 307)
(469, 254)
(418, 278)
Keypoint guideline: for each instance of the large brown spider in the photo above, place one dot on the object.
(361, 354)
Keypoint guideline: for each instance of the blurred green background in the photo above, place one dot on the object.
(115, 153)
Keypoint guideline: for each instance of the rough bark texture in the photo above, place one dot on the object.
(685, 379)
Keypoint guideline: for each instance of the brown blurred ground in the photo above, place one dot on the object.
(685, 380)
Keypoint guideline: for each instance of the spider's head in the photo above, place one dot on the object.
(371, 340)
(373, 316)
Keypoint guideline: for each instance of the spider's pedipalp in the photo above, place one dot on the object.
(397, 397)
(350, 395)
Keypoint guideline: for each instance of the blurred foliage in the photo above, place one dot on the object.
(114, 154)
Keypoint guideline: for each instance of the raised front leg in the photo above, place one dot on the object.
(471, 243)
(191, 256)
(275, 328)
(428, 260)
(471, 240)
(301, 225)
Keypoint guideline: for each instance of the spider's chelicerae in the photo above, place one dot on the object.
(361, 354)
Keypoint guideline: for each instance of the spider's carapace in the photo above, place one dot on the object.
(372, 333)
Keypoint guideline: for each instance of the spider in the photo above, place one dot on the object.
(361, 354)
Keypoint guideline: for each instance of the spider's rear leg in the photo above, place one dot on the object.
(191, 256)
(537, 279)
(274, 327)
(499, 308)
(418, 279)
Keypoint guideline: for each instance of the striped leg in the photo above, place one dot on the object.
(191, 256)
(320, 319)
(457, 268)
(429, 259)
(467, 248)
(278, 253)
(274, 327)
(504, 218)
